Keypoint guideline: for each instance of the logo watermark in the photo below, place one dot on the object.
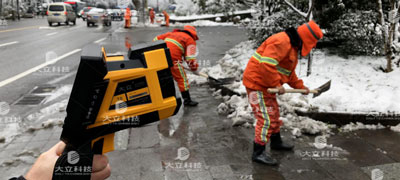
(377, 174)
(4, 110)
(323, 151)
(71, 169)
(51, 57)
(379, 116)
(182, 163)
(73, 157)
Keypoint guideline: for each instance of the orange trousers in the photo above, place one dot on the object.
(266, 111)
(180, 77)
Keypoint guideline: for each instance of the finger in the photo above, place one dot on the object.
(100, 162)
(103, 174)
(57, 149)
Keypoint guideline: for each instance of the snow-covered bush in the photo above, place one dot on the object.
(277, 22)
(357, 33)
(185, 8)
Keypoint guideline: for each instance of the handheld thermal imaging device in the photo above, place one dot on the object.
(112, 93)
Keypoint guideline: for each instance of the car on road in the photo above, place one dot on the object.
(98, 16)
(84, 12)
(60, 13)
(116, 14)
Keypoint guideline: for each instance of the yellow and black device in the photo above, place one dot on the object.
(111, 93)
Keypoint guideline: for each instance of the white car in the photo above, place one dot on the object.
(60, 13)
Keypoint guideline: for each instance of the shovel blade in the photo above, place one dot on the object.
(325, 87)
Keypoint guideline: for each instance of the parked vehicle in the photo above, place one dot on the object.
(85, 10)
(30, 13)
(116, 14)
(99, 16)
(60, 13)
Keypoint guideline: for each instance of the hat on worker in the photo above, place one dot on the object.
(192, 31)
(309, 33)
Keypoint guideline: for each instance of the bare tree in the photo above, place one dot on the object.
(388, 34)
(308, 17)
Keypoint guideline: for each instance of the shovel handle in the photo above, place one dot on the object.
(275, 90)
(196, 72)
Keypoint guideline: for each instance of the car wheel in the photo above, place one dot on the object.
(74, 22)
(50, 23)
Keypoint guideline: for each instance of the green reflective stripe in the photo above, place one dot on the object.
(155, 39)
(283, 71)
(190, 58)
(176, 43)
(183, 76)
(312, 32)
(263, 59)
(264, 113)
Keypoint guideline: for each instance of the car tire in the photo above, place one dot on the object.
(74, 22)
(50, 23)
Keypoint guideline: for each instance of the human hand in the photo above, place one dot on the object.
(307, 91)
(281, 90)
(44, 165)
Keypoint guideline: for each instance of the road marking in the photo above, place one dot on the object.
(18, 29)
(29, 71)
(51, 33)
(59, 79)
(98, 41)
(10, 43)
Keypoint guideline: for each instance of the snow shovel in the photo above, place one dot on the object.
(217, 83)
(325, 87)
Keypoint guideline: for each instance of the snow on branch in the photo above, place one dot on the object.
(295, 9)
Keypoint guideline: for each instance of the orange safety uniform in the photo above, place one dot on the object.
(127, 18)
(182, 44)
(152, 16)
(166, 16)
(272, 65)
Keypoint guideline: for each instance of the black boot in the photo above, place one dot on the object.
(260, 156)
(187, 101)
(277, 144)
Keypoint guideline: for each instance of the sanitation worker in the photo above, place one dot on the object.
(271, 66)
(182, 45)
(128, 18)
(152, 15)
(166, 16)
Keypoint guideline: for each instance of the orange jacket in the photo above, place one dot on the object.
(166, 15)
(181, 44)
(273, 64)
(152, 14)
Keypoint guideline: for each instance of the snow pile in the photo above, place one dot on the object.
(395, 128)
(358, 126)
(357, 86)
(195, 17)
(203, 23)
(185, 8)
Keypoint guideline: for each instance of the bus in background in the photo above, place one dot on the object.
(76, 5)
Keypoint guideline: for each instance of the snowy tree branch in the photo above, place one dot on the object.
(295, 9)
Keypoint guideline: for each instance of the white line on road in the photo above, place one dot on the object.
(51, 33)
(10, 43)
(29, 71)
(98, 41)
